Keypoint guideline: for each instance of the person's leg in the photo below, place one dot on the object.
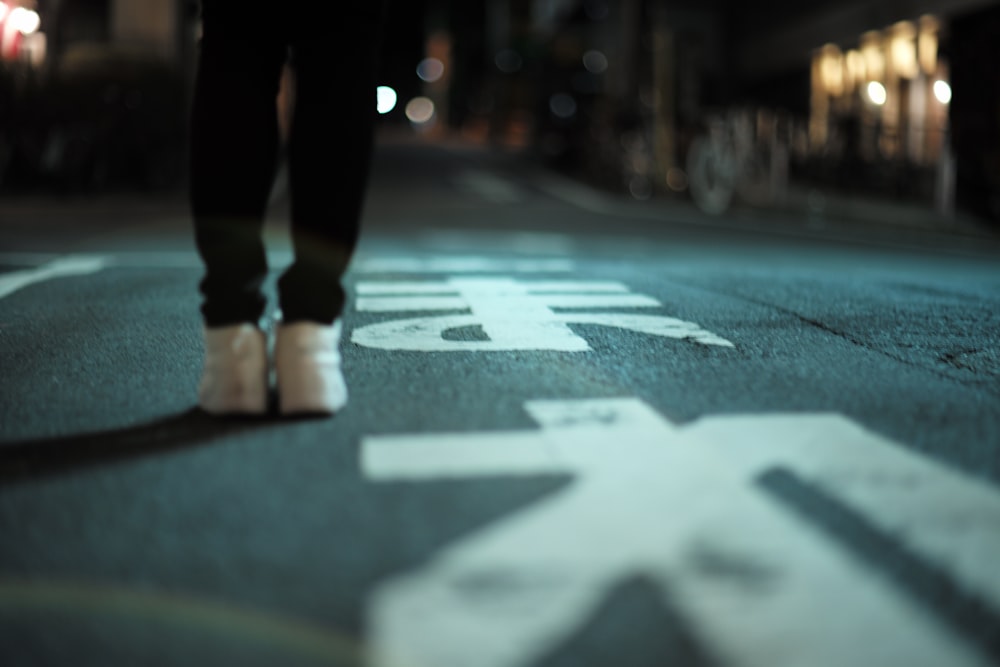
(329, 153)
(328, 160)
(233, 152)
(234, 144)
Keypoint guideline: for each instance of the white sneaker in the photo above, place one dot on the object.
(235, 376)
(307, 365)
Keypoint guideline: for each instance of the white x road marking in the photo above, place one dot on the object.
(653, 498)
(514, 315)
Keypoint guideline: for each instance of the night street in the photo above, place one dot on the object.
(583, 430)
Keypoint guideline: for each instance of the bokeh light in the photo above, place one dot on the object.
(24, 20)
(876, 93)
(562, 105)
(385, 99)
(430, 70)
(595, 61)
(677, 179)
(640, 188)
(508, 61)
(420, 110)
(942, 91)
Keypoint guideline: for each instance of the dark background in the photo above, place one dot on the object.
(96, 118)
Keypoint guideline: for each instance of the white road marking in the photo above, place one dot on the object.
(492, 285)
(949, 517)
(514, 315)
(179, 259)
(667, 502)
(361, 264)
(453, 265)
(73, 265)
(159, 259)
(525, 242)
(488, 186)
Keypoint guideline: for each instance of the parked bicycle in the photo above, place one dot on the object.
(740, 156)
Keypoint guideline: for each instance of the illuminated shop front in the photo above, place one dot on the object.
(883, 99)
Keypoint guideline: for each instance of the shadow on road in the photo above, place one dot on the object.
(33, 459)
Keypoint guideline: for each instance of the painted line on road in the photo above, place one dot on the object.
(465, 264)
(362, 264)
(495, 286)
(671, 503)
(967, 612)
(513, 315)
(521, 242)
(948, 516)
(157, 259)
(73, 265)
(129, 259)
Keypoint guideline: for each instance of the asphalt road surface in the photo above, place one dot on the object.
(582, 431)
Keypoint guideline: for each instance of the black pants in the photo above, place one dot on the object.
(234, 149)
